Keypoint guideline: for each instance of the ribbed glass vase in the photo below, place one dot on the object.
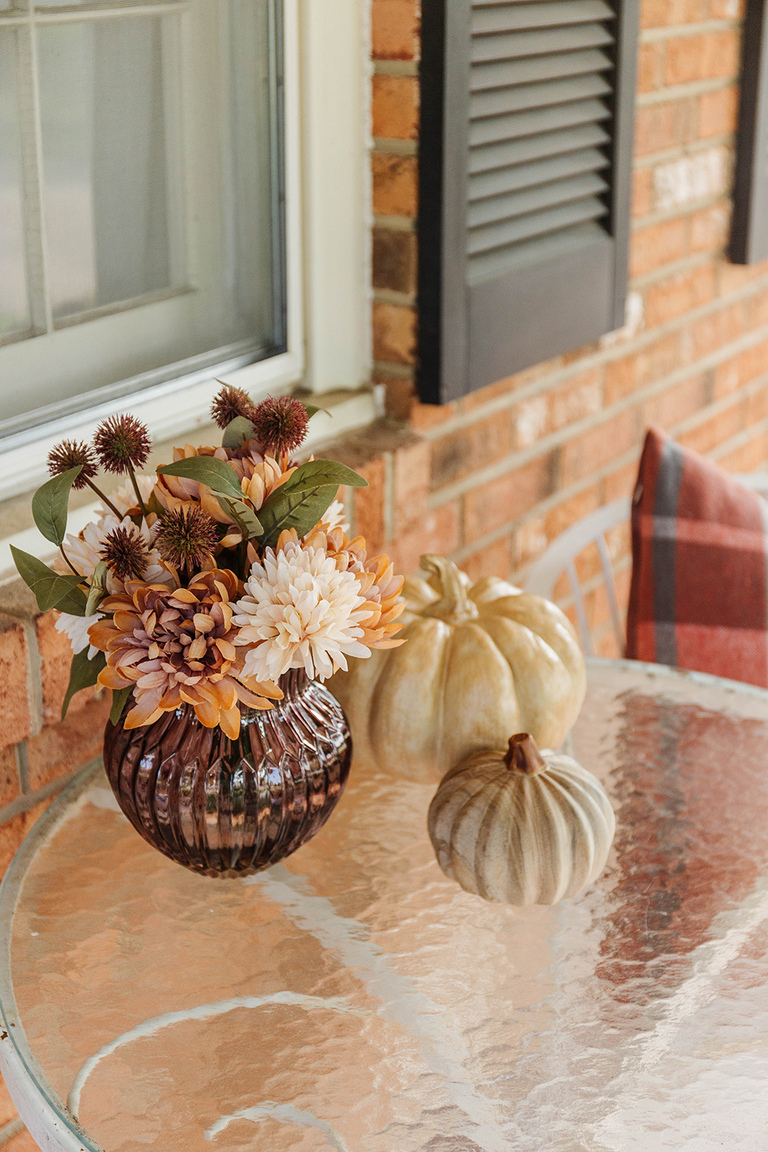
(232, 807)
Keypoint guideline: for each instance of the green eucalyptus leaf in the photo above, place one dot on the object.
(50, 505)
(118, 703)
(312, 409)
(299, 508)
(237, 432)
(243, 515)
(82, 674)
(51, 590)
(98, 589)
(208, 470)
(318, 473)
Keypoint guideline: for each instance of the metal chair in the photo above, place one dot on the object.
(562, 552)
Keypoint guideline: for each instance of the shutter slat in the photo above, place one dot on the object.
(509, 232)
(490, 156)
(539, 42)
(503, 74)
(520, 99)
(501, 261)
(499, 208)
(503, 180)
(552, 12)
(517, 125)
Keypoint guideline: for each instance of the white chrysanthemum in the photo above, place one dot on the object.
(84, 551)
(299, 611)
(335, 517)
(76, 629)
(124, 498)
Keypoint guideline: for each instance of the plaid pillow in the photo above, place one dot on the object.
(699, 593)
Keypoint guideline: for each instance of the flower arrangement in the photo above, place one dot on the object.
(206, 582)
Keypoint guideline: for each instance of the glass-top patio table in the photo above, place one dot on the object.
(353, 998)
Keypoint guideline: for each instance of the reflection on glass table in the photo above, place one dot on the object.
(353, 998)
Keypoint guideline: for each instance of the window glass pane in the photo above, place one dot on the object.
(14, 298)
(104, 162)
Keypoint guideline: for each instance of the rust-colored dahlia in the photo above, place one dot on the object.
(376, 577)
(175, 646)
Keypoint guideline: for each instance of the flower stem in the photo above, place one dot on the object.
(106, 499)
(69, 562)
(134, 481)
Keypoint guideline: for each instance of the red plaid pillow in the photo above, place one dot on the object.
(699, 593)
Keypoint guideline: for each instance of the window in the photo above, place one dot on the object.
(229, 139)
(524, 176)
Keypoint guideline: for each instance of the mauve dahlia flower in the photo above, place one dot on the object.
(175, 646)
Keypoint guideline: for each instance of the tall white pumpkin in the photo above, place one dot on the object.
(479, 661)
(521, 827)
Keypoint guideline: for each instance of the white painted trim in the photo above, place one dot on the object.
(336, 71)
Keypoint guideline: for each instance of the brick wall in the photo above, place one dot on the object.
(492, 479)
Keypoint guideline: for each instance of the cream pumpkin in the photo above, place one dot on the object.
(479, 661)
(523, 826)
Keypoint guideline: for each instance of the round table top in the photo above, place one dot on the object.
(353, 998)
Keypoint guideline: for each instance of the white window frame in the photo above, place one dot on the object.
(328, 218)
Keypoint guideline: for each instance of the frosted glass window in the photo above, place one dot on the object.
(15, 315)
(142, 199)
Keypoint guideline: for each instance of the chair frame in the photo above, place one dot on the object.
(559, 557)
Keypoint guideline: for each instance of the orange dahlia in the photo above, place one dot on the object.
(175, 646)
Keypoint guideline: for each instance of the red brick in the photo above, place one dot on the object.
(751, 456)
(411, 485)
(69, 745)
(469, 448)
(733, 277)
(658, 244)
(394, 260)
(715, 430)
(55, 663)
(17, 717)
(662, 126)
(726, 9)
(437, 533)
(757, 309)
(756, 406)
(650, 66)
(493, 560)
(718, 112)
(711, 332)
(369, 504)
(395, 29)
(620, 483)
(395, 185)
(679, 402)
(424, 416)
(9, 780)
(568, 512)
(11, 835)
(505, 499)
(667, 13)
(529, 542)
(747, 366)
(642, 192)
(394, 333)
(710, 228)
(592, 450)
(681, 293)
(577, 398)
(395, 107)
(703, 57)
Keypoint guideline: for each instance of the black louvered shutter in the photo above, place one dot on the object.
(524, 183)
(749, 224)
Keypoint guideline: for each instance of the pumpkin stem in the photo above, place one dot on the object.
(454, 604)
(524, 756)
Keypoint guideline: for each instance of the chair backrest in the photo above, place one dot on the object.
(562, 553)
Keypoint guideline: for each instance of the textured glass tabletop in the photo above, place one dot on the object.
(353, 998)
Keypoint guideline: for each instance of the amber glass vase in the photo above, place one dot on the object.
(231, 807)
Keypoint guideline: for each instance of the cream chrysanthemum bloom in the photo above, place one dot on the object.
(75, 628)
(84, 552)
(124, 498)
(299, 611)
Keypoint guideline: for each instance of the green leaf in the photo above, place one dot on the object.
(301, 509)
(318, 473)
(118, 703)
(98, 589)
(311, 409)
(51, 589)
(237, 431)
(50, 505)
(242, 514)
(83, 674)
(208, 470)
